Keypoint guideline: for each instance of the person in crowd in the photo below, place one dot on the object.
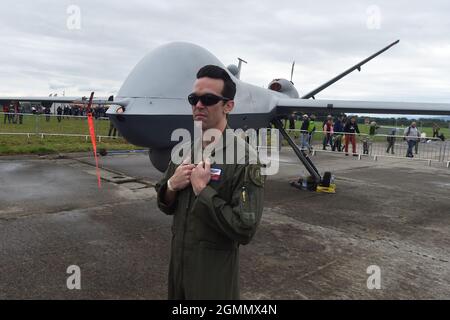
(391, 141)
(338, 130)
(6, 113)
(59, 112)
(351, 129)
(311, 130)
(436, 129)
(291, 119)
(20, 110)
(416, 146)
(47, 113)
(373, 128)
(411, 136)
(304, 134)
(328, 133)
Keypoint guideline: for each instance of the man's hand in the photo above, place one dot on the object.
(179, 180)
(200, 176)
(182, 175)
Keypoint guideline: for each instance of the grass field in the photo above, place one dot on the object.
(13, 144)
(38, 124)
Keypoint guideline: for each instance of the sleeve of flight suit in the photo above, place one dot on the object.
(237, 220)
(161, 188)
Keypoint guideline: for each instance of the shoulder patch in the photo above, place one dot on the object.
(254, 174)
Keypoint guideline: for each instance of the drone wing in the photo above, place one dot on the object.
(48, 101)
(285, 106)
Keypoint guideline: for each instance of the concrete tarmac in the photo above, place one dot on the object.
(391, 213)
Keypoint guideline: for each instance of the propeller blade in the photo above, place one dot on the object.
(292, 70)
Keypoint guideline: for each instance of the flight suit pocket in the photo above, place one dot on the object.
(208, 236)
(248, 218)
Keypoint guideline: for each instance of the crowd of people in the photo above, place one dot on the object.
(75, 110)
(14, 113)
(339, 133)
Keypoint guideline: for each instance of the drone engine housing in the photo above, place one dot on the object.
(284, 86)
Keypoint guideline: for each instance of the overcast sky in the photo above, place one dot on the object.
(46, 49)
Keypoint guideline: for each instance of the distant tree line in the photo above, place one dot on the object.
(392, 121)
(403, 121)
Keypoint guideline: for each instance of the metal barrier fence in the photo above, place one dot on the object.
(53, 125)
(430, 149)
(378, 145)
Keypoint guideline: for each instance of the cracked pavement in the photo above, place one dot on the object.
(392, 213)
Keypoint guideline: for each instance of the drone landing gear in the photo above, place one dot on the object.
(315, 182)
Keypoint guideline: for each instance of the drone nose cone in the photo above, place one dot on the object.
(167, 72)
(156, 92)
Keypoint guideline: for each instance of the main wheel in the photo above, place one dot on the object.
(326, 179)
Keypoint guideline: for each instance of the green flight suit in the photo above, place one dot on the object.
(208, 229)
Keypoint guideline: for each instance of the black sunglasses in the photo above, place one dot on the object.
(208, 99)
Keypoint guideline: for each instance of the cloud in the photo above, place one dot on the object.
(41, 54)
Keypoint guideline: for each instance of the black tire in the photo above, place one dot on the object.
(326, 179)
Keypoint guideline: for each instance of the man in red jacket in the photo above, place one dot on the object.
(5, 112)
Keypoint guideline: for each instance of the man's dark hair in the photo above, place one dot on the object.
(215, 72)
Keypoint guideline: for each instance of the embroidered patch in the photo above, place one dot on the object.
(215, 174)
(254, 173)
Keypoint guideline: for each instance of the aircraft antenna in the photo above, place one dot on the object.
(292, 70)
(239, 67)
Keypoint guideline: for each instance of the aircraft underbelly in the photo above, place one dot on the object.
(155, 131)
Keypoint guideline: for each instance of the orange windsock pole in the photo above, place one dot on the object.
(93, 140)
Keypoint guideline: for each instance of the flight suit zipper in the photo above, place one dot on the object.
(184, 235)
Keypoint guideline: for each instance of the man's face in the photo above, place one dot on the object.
(413, 124)
(211, 116)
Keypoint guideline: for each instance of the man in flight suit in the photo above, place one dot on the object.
(216, 206)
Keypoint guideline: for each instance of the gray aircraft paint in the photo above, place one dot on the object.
(155, 98)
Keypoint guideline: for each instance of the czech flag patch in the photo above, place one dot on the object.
(215, 174)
